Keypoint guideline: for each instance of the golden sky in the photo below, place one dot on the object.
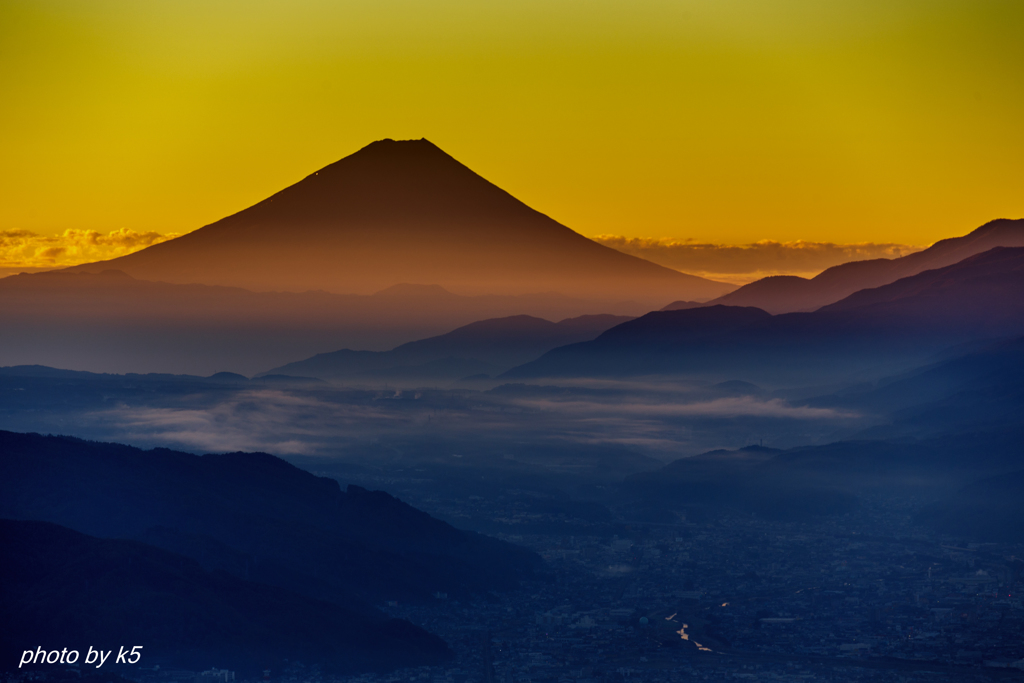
(721, 121)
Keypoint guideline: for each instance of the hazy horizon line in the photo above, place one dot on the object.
(31, 251)
(743, 263)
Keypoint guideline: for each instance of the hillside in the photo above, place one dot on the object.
(488, 347)
(62, 588)
(253, 516)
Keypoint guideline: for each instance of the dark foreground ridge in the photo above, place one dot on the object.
(236, 559)
(252, 515)
(61, 588)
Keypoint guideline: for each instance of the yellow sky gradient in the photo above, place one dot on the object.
(722, 121)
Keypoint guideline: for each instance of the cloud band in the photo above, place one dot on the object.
(747, 262)
(25, 249)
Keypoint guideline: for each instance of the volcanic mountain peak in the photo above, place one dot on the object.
(405, 179)
(388, 188)
(405, 211)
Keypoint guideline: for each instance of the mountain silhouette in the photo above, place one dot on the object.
(980, 389)
(748, 479)
(788, 293)
(681, 305)
(647, 345)
(64, 588)
(254, 516)
(112, 322)
(886, 329)
(806, 481)
(404, 211)
(988, 282)
(487, 347)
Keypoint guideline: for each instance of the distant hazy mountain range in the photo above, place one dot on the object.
(951, 432)
(979, 390)
(112, 322)
(895, 325)
(404, 211)
(787, 293)
(487, 347)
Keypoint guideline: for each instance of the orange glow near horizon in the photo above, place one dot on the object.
(726, 122)
(26, 251)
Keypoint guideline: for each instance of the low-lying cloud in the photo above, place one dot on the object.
(744, 263)
(300, 423)
(279, 422)
(25, 249)
(743, 406)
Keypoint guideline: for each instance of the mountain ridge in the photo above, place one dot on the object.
(113, 322)
(253, 515)
(981, 297)
(486, 346)
(789, 293)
